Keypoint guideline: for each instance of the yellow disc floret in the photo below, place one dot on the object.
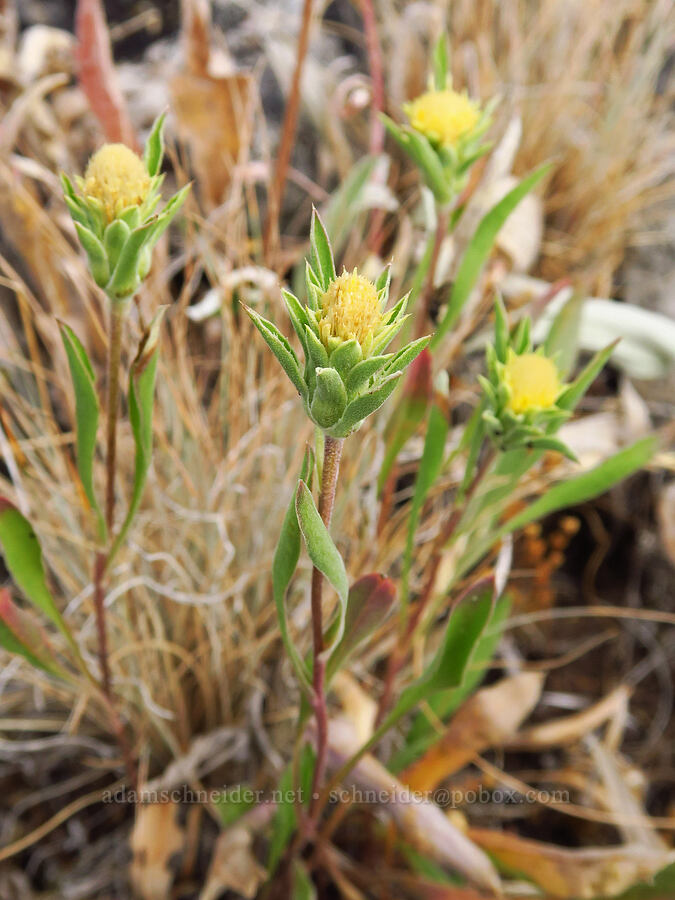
(443, 116)
(533, 382)
(350, 308)
(117, 178)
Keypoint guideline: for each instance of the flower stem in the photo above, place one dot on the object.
(442, 224)
(331, 466)
(117, 314)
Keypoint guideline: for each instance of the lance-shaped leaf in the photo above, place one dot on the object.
(142, 377)
(322, 551)
(86, 416)
(440, 62)
(297, 315)
(413, 404)
(168, 214)
(281, 349)
(362, 372)
(575, 391)
(406, 355)
(22, 636)
(370, 600)
(23, 558)
(428, 472)
(115, 237)
(154, 146)
(330, 398)
(320, 254)
(285, 562)
(285, 819)
(479, 248)
(562, 341)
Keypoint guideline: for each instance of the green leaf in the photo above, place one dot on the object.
(362, 372)
(429, 470)
(285, 820)
(413, 404)
(440, 63)
(19, 634)
(575, 391)
(321, 255)
(479, 248)
(297, 315)
(142, 377)
(86, 416)
(443, 703)
(281, 349)
(285, 562)
(501, 330)
(154, 146)
(322, 551)
(23, 558)
(661, 887)
(303, 886)
(562, 342)
(406, 355)
(370, 599)
(587, 485)
(96, 255)
(233, 803)
(168, 214)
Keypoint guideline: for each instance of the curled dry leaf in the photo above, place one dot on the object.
(233, 866)
(155, 839)
(569, 729)
(422, 822)
(588, 873)
(489, 718)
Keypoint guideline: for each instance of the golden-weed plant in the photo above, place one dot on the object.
(173, 664)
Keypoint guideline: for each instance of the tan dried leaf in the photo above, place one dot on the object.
(233, 866)
(156, 837)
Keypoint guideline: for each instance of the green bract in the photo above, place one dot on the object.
(344, 378)
(119, 243)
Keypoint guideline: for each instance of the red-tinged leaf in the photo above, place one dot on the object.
(97, 75)
(20, 633)
(412, 407)
(370, 599)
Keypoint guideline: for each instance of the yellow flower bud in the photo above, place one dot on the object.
(350, 308)
(533, 381)
(443, 116)
(117, 178)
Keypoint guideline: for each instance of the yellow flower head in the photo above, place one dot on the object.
(350, 308)
(533, 382)
(444, 116)
(117, 178)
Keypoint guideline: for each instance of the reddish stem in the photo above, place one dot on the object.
(288, 128)
(331, 467)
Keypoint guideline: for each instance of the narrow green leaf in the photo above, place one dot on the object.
(406, 355)
(297, 315)
(413, 403)
(445, 702)
(114, 239)
(427, 473)
(303, 886)
(362, 372)
(23, 558)
(86, 416)
(168, 214)
(575, 391)
(154, 146)
(322, 551)
(284, 565)
(281, 349)
(562, 341)
(321, 255)
(587, 485)
(233, 803)
(479, 249)
(285, 820)
(125, 279)
(142, 377)
(440, 63)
